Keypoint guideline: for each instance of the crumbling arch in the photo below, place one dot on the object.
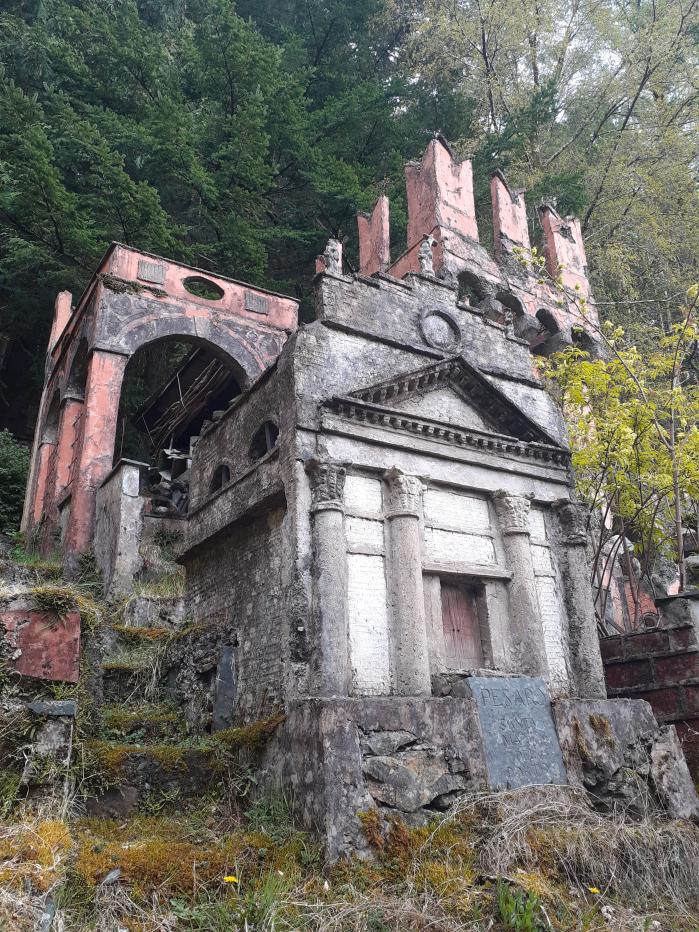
(547, 320)
(240, 347)
(195, 378)
(472, 288)
(511, 302)
(49, 433)
(77, 375)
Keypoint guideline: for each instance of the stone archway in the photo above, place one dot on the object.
(135, 299)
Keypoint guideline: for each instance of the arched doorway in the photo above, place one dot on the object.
(171, 388)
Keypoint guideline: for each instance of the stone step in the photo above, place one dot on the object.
(154, 612)
(129, 640)
(125, 680)
(150, 776)
(156, 722)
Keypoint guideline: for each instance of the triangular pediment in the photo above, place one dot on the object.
(456, 394)
(445, 404)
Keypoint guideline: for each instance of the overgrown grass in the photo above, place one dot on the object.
(63, 599)
(505, 862)
(165, 586)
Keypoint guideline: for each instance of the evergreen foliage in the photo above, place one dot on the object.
(240, 136)
(14, 463)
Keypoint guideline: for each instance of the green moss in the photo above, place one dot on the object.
(131, 666)
(248, 737)
(602, 728)
(141, 634)
(64, 599)
(144, 722)
(112, 756)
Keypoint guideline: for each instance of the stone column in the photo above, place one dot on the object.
(59, 477)
(43, 458)
(582, 626)
(95, 457)
(408, 624)
(525, 620)
(330, 577)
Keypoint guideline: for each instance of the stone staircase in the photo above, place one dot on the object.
(143, 750)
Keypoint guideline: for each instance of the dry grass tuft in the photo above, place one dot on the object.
(559, 835)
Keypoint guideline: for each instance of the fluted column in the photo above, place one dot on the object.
(525, 619)
(330, 577)
(408, 624)
(582, 626)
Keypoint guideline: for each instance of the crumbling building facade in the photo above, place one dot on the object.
(382, 540)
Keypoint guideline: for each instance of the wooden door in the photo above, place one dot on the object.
(462, 634)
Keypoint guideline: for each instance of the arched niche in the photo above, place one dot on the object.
(77, 374)
(50, 432)
(171, 386)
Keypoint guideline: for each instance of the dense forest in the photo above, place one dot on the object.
(240, 136)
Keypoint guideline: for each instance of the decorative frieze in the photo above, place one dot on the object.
(404, 493)
(513, 512)
(327, 484)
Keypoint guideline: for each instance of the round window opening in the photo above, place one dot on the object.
(203, 288)
(440, 330)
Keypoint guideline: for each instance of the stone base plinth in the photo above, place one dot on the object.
(413, 757)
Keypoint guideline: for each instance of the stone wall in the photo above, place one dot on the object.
(660, 665)
(228, 441)
(119, 528)
(234, 589)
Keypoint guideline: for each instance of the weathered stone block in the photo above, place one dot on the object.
(647, 642)
(612, 648)
(617, 751)
(679, 669)
(623, 675)
(41, 644)
(663, 701)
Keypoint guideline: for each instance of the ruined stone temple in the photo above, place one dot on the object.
(376, 514)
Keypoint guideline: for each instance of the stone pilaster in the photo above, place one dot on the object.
(525, 620)
(330, 577)
(408, 625)
(584, 642)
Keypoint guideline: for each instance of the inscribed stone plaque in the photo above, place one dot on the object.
(151, 272)
(519, 737)
(256, 302)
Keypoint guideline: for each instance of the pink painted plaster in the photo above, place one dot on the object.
(509, 217)
(374, 239)
(43, 645)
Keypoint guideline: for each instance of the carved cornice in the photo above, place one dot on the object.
(327, 484)
(375, 414)
(405, 493)
(573, 517)
(513, 512)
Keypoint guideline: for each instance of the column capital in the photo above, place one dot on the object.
(573, 517)
(513, 511)
(405, 493)
(327, 484)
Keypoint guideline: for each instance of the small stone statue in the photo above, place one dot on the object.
(333, 257)
(425, 256)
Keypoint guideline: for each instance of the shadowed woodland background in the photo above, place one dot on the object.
(240, 136)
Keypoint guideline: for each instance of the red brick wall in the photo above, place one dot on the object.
(660, 665)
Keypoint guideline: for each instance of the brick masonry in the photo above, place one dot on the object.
(661, 666)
